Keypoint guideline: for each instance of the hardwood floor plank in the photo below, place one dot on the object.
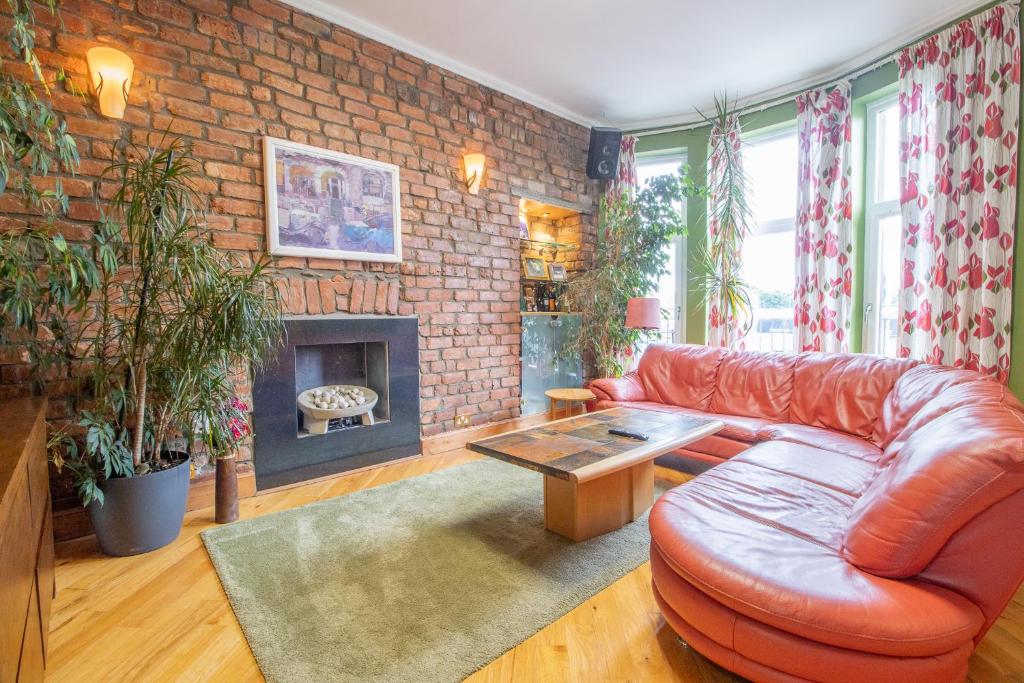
(163, 616)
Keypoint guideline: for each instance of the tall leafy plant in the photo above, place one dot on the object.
(34, 140)
(171, 322)
(729, 219)
(39, 269)
(628, 263)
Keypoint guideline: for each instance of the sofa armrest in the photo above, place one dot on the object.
(625, 388)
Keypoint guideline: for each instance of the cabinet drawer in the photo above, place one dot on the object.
(17, 573)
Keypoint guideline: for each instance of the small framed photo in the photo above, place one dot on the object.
(556, 271)
(330, 205)
(535, 268)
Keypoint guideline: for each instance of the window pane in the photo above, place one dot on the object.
(667, 291)
(889, 285)
(887, 153)
(771, 167)
(769, 267)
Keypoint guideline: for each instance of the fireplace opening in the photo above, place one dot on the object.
(342, 371)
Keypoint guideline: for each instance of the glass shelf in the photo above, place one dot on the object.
(541, 245)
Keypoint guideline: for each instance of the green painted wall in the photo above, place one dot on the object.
(866, 89)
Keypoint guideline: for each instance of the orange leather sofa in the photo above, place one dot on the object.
(863, 522)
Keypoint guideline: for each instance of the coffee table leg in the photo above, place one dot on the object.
(590, 508)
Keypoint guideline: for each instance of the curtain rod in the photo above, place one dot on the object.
(852, 74)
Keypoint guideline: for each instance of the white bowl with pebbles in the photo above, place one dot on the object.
(334, 401)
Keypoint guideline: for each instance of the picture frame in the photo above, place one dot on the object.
(556, 271)
(534, 268)
(326, 204)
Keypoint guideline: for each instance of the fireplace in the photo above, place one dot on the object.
(356, 356)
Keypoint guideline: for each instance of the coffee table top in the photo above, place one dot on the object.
(580, 448)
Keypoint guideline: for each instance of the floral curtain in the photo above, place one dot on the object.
(823, 296)
(625, 180)
(959, 120)
(726, 158)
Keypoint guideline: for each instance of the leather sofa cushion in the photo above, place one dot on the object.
(765, 654)
(737, 427)
(822, 438)
(911, 391)
(843, 391)
(761, 543)
(680, 375)
(625, 388)
(951, 469)
(977, 392)
(754, 384)
(844, 473)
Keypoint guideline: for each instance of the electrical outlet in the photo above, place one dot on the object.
(462, 420)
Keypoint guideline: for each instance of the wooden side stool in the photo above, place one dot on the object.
(573, 402)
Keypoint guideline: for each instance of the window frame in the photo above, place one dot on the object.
(678, 157)
(875, 212)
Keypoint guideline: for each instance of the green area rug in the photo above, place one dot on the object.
(425, 579)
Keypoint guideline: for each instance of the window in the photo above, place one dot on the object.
(769, 265)
(672, 285)
(883, 225)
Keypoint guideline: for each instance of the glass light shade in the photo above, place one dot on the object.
(474, 171)
(643, 313)
(111, 73)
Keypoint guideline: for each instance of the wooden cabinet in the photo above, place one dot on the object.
(26, 541)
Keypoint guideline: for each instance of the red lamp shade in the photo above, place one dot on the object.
(643, 313)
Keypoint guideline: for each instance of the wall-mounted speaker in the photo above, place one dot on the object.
(603, 158)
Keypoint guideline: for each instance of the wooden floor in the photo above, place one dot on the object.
(164, 617)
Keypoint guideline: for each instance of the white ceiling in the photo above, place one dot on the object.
(643, 62)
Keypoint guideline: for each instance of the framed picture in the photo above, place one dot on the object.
(556, 271)
(535, 268)
(330, 205)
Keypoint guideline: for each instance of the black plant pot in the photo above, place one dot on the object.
(143, 513)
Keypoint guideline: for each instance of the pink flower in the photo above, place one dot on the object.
(909, 188)
(990, 226)
(993, 121)
(940, 277)
(924, 316)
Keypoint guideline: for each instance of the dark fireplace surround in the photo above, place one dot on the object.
(378, 352)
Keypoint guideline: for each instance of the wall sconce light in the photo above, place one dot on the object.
(474, 171)
(111, 73)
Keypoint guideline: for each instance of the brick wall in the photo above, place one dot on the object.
(222, 74)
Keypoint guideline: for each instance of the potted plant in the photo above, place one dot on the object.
(222, 427)
(163, 328)
(726, 293)
(629, 262)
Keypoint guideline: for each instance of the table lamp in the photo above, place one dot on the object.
(643, 313)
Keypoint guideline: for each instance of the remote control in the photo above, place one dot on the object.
(639, 436)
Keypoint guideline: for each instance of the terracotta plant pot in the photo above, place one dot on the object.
(226, 491)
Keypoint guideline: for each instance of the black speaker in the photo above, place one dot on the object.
(603, 158)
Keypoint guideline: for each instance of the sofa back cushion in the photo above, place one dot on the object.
(680, 375)
(754, 384)
(843, 391)
(979, 391)
(954, 467)
(912, 390)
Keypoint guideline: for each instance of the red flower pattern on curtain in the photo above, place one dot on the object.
(959, 121)
(823, 296)
(625, 179)
(724, 329)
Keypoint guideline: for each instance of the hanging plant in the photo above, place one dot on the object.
(729, 220)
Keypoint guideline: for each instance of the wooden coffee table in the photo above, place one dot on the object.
(595, 482)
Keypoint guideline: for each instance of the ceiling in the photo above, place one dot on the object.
(646, 62)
